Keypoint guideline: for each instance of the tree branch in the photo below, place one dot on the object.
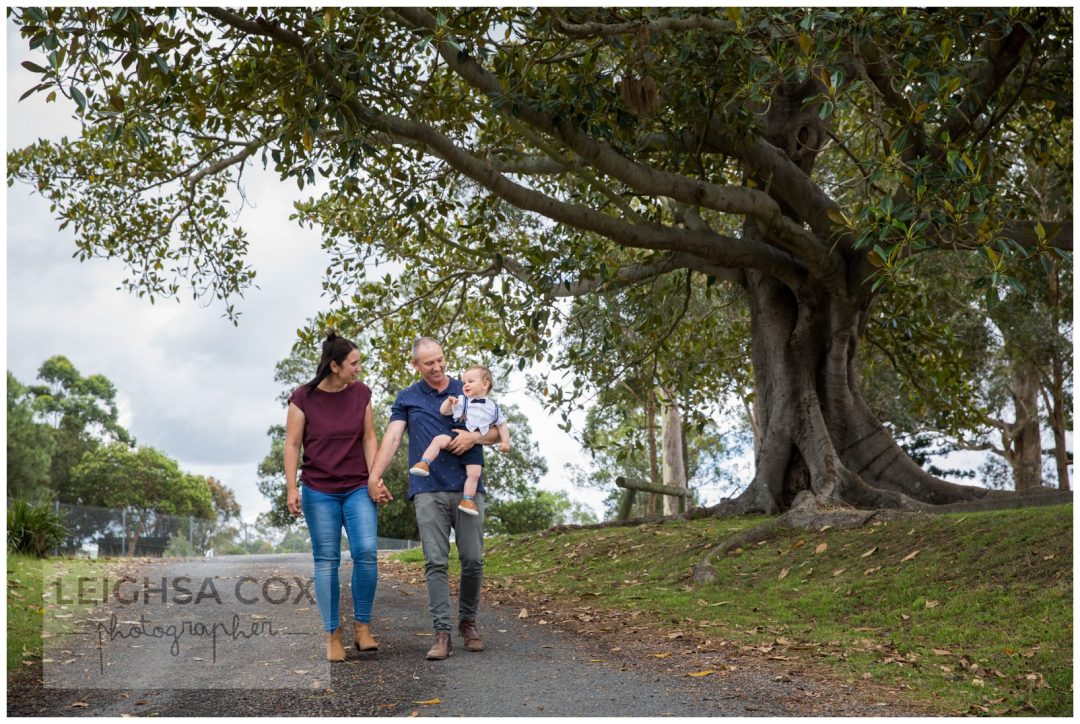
(1001, 57)
(658, 25)
(735, 200)
(710, 246)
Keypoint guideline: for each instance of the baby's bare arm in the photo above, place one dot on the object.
(447, 406)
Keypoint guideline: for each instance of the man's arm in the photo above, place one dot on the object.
(390, 443)
(466, 439)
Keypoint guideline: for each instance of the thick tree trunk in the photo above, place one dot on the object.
(817, 433)
(1025, 453)
(674, 465)
(814, 431)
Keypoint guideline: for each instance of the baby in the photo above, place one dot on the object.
(473, 412)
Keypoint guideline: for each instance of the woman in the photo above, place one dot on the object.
(331, 418)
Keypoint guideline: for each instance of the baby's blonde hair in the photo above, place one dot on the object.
(485, 375)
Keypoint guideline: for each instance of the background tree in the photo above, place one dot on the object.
(143, 482)
(82, 412)
(641, 142)
(29, 447)
(224, 500)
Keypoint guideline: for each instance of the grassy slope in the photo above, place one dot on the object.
(25, 606)
(979, 619)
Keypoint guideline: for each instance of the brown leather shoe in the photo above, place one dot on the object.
(364, 640)
(471, 634)
(442, 647)
(335, 650)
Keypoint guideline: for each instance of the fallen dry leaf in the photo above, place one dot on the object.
(524, 613)
(838, 571)
(822, 547)
(675, 635)
(942, 652)
(910, 556)
(870, 552)
(80, 705)
(871, 571)
(933, 604)
(978, 682)
(662, 655)
(706, 672)
(428, 702)
(783, 574)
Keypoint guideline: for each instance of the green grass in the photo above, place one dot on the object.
(978, 621)
(25, 602)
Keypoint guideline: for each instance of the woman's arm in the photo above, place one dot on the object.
(294, 435)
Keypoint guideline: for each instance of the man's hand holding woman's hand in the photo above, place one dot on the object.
(379, 493)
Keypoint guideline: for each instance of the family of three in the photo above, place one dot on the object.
(330, 424)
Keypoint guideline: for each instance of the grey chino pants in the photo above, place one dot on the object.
(436, 514)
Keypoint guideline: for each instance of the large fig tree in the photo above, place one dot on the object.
(503, 158)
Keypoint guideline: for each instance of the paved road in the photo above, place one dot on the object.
(528, 669)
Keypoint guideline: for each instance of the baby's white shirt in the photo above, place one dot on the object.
(481, 415)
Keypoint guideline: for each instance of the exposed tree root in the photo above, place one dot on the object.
(805, 514)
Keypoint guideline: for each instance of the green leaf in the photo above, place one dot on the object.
(34, 67)
(79, 98)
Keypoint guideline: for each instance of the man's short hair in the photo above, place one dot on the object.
(421, 342)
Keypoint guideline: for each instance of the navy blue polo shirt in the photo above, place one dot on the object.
(418, 407)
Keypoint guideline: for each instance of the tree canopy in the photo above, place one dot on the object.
(504, 159)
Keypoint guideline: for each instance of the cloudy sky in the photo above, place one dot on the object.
(189, 382)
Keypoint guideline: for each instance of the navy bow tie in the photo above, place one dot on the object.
(477, 401)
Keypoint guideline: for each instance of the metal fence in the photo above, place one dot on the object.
(106, 532)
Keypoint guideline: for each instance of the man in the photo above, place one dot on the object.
(437, 496)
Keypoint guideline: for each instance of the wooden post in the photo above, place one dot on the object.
(626, 505)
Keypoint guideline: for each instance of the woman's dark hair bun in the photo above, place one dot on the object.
(335, 348)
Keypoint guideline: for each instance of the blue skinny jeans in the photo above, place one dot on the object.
(325, 514)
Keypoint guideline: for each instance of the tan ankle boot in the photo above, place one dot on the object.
(335, 650)
(364, 640)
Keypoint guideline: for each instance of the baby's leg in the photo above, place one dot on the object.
(472, 479)
(437, 445)
(423, 468)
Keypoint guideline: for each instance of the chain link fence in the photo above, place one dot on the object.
(105, 532)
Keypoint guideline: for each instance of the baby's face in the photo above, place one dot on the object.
(473, 384)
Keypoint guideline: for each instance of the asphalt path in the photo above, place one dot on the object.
(529, 668)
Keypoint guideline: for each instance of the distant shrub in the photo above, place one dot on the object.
(179, 547)
(33, 530)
